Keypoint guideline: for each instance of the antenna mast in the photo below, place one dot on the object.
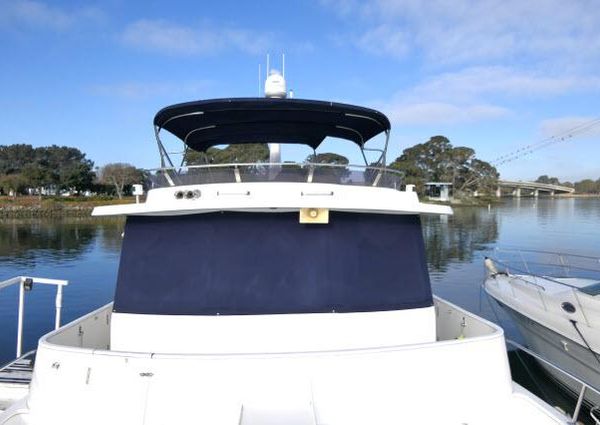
(259, 80)
(268, 69)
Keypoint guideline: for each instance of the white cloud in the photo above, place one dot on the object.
(474, 94)
(385, 40)
(570, 127)
(467, 31)
(35, 14)
(167, 37)
(475, 82)
(439, 113)
(142, 90)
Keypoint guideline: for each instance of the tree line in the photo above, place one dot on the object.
(59, 169)
(582, 186)
(54, 170)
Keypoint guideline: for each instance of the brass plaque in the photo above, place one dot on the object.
(314, 215)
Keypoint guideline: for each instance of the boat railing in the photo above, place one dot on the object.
(585, 386)
(547, 265)
(346, 174)
(26, 284)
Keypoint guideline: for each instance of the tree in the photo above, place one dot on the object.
(69, 166)
(36, 177)
(14, 157)
(437, 160)
(239, 153)
(326, 174)
(327, 158)
(120, 175)
(547, 180)
(587, 186)
(12, 184)
(62, 167)
(482, 176)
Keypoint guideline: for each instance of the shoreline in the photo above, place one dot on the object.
(578, 195)
(51, 207)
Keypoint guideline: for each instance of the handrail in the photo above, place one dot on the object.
(272, 171)
(539, 251)
(530, 273)
(584, 385)
(561, 263)
(26, 284)
(268, 164)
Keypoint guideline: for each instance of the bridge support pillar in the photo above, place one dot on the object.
(517, 192)
(551, 193)
(498, 192)
(536, 193)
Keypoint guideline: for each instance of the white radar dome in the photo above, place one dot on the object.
(275, 85)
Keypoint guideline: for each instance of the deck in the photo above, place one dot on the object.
(15, 378)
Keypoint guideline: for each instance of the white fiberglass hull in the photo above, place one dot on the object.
(558, 321)
(460, 378)
(562, 351)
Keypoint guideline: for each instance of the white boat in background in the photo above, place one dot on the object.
(274, 293)
(554, 300)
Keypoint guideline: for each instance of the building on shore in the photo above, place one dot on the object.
(439, 191)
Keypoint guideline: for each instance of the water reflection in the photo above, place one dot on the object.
(457, 237)
(24, 241)
(84, 251)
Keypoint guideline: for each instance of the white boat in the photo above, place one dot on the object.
(553, 299)
(274, 293)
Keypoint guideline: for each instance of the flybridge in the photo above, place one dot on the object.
(207, 123)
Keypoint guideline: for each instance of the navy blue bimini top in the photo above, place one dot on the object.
(207, 123)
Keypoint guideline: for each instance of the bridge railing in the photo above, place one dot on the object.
(535, 185)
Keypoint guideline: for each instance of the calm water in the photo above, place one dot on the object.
(85, 251)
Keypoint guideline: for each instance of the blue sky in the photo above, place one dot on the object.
(494, 75)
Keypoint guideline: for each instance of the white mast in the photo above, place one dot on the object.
(259, 80)
(275, 87)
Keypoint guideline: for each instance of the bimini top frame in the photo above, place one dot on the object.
(207, 123)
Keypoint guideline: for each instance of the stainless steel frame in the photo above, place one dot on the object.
(165, 158)
(357, 175)
(584, 385)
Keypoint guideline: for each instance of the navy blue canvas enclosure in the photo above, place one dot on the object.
(268, 263)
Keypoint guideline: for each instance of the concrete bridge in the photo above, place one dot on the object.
(519, 188)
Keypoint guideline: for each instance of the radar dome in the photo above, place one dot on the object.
(275, 85)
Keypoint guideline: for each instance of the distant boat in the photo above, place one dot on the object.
(275, 293)
(554, 300)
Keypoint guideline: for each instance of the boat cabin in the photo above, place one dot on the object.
(218, 248)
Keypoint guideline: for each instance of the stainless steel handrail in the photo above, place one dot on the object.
(26, 284)
(540, 251)
(278, 164)
(272, 171)
(584, 385)
(563, 263)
